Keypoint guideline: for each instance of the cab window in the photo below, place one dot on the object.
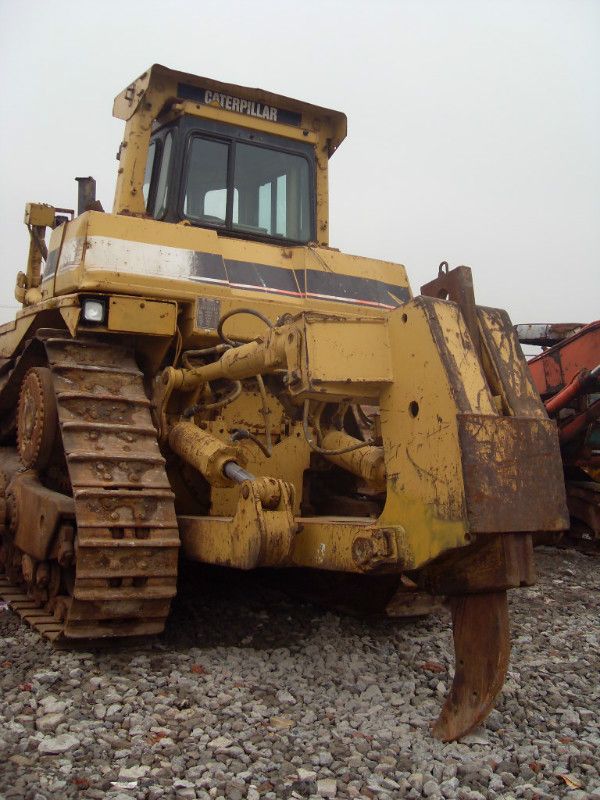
(247, 188)
(205, 197)
(273, 192)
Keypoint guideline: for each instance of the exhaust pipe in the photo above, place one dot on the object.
(86, 194)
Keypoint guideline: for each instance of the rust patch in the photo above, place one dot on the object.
(114, 509)
(482, 648)
(512, 474)
(108, 382)
(452, 368)
(87, 354)
(127, 562)
(504, 352)
(91, 410)
(108, 470)
(456, 285)
(493, 563)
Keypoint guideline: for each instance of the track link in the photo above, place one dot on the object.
(127, 536)
(40, 619)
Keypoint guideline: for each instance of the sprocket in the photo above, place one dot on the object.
(36, 418)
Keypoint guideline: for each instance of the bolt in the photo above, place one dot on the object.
(42, 575)
(27, 567)
(362, 550)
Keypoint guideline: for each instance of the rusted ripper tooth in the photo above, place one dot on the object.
(481, 651)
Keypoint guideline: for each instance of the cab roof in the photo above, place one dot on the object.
(161, 86)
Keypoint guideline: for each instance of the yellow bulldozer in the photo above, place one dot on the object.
(198, 374)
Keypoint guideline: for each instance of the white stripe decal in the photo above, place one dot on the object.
(139, 258)
(71, 254)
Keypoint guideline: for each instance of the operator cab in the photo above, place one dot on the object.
(240, 161)
(235, 180)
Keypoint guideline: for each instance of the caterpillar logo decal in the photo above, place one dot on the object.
(239, 105)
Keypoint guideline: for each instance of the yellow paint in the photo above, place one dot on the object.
(511, 375)
(255, 536)
(420, 436)
(346, 351)
(37, 218)
(71, 317)
(139, 315)
(12, 333)
(39, 214)
(326, 542)
(291, 454)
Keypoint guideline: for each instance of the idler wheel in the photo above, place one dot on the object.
(36, 418)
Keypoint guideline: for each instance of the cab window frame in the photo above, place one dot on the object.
(157, 141)
(170, 174)
(187, 148)
(194, 127)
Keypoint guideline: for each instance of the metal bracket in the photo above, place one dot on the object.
(259, 535)
(456, 285)
(35, 513)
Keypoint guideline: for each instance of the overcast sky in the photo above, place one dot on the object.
(473, 127)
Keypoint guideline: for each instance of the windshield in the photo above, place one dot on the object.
(247, 187)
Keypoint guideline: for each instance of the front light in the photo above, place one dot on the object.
(94, 311)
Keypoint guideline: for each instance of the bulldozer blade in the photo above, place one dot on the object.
(481, 650)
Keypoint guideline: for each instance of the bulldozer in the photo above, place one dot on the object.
(198, 374)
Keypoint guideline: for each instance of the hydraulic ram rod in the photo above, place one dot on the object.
(236, 473)
(245, 361)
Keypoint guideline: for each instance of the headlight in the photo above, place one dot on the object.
(94, 311)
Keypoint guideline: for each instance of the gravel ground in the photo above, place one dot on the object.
(251, 695)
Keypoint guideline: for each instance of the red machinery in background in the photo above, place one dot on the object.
(567, 376)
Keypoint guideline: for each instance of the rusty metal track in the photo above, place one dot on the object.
(127, 536)
(17, 599)
(50, 628)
